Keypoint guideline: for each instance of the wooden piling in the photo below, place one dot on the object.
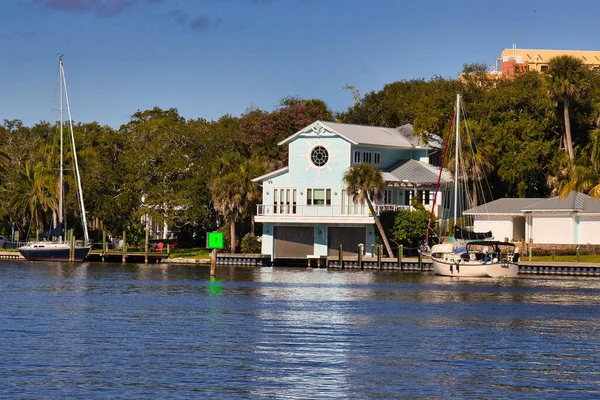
(124, 249)
(400, 251)
(146, 248)
(71, 246)
(360, 255)
(341, 257)
(420, 262)
(379, 254)
(213, 262)
(103, 245)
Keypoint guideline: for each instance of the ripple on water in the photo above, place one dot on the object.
(111, 330)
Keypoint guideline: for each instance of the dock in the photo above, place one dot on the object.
(407, 264)
(127, 257)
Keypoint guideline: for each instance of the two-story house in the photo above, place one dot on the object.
(306, 211)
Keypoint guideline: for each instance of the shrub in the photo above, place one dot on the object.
(251, 244)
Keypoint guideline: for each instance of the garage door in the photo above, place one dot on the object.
(294, 241)
(349, 238)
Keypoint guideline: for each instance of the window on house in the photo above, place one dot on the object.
(318, 197)
(366, 157)
(387, 196)
(544, 68)
(356, 157)
(377, 158)
(423, 196)
(408, 196)
(284, 201)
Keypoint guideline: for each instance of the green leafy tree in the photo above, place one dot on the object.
(410, 227)
(364, 182)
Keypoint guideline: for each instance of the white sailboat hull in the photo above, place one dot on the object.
(452, 265)
(49, 251)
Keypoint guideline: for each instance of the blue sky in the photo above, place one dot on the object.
(208, 58)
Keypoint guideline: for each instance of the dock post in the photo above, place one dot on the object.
(379, 253)
(71, 246)
(146, 248)
(360, 255)
(372, 250)
(420, 262)
(124, 249)
(577, 250)
(553, 254)
(341, 257)
(213, 262)
(530, 253)
(103, 244)
(400, 251)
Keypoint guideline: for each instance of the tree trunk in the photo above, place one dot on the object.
(380, 227)
(568, 131)
(232, 233)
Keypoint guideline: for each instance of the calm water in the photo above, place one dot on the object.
(135, 331)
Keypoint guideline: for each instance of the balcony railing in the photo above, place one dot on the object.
(325, 211)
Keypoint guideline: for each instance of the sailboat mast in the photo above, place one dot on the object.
(77, 174)
(456, 157)
(60, 179)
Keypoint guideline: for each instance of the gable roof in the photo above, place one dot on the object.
(402, 137)
(415, 172)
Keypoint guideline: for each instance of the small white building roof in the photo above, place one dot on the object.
(574, 202)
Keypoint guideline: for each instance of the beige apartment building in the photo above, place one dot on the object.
(537, 60)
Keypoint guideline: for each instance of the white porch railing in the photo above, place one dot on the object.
(326, 211)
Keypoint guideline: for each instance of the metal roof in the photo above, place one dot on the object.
(415, 172)
(591, 206)
(402, 137)
(573, 202)
(502, 206)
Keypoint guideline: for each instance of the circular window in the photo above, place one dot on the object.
(319, 156)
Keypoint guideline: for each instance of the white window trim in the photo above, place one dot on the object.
(312, 189)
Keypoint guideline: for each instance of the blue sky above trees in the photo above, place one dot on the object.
(208, 58)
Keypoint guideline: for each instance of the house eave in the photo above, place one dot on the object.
(271, 174)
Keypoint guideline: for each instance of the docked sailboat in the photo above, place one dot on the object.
(55, 247)
(471, 254)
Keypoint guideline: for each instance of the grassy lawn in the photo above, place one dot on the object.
(588, 258)
(190, 253)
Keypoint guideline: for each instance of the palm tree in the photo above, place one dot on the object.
(233, 191)
(566, 80)
(475, 158)
(584, 176)
(364, 182)
(35, 194)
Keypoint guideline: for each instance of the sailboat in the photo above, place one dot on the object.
(472, 254)
(59, 249)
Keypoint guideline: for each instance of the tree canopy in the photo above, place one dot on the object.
(537, 133)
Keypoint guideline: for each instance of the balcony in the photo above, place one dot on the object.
(354, 213)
